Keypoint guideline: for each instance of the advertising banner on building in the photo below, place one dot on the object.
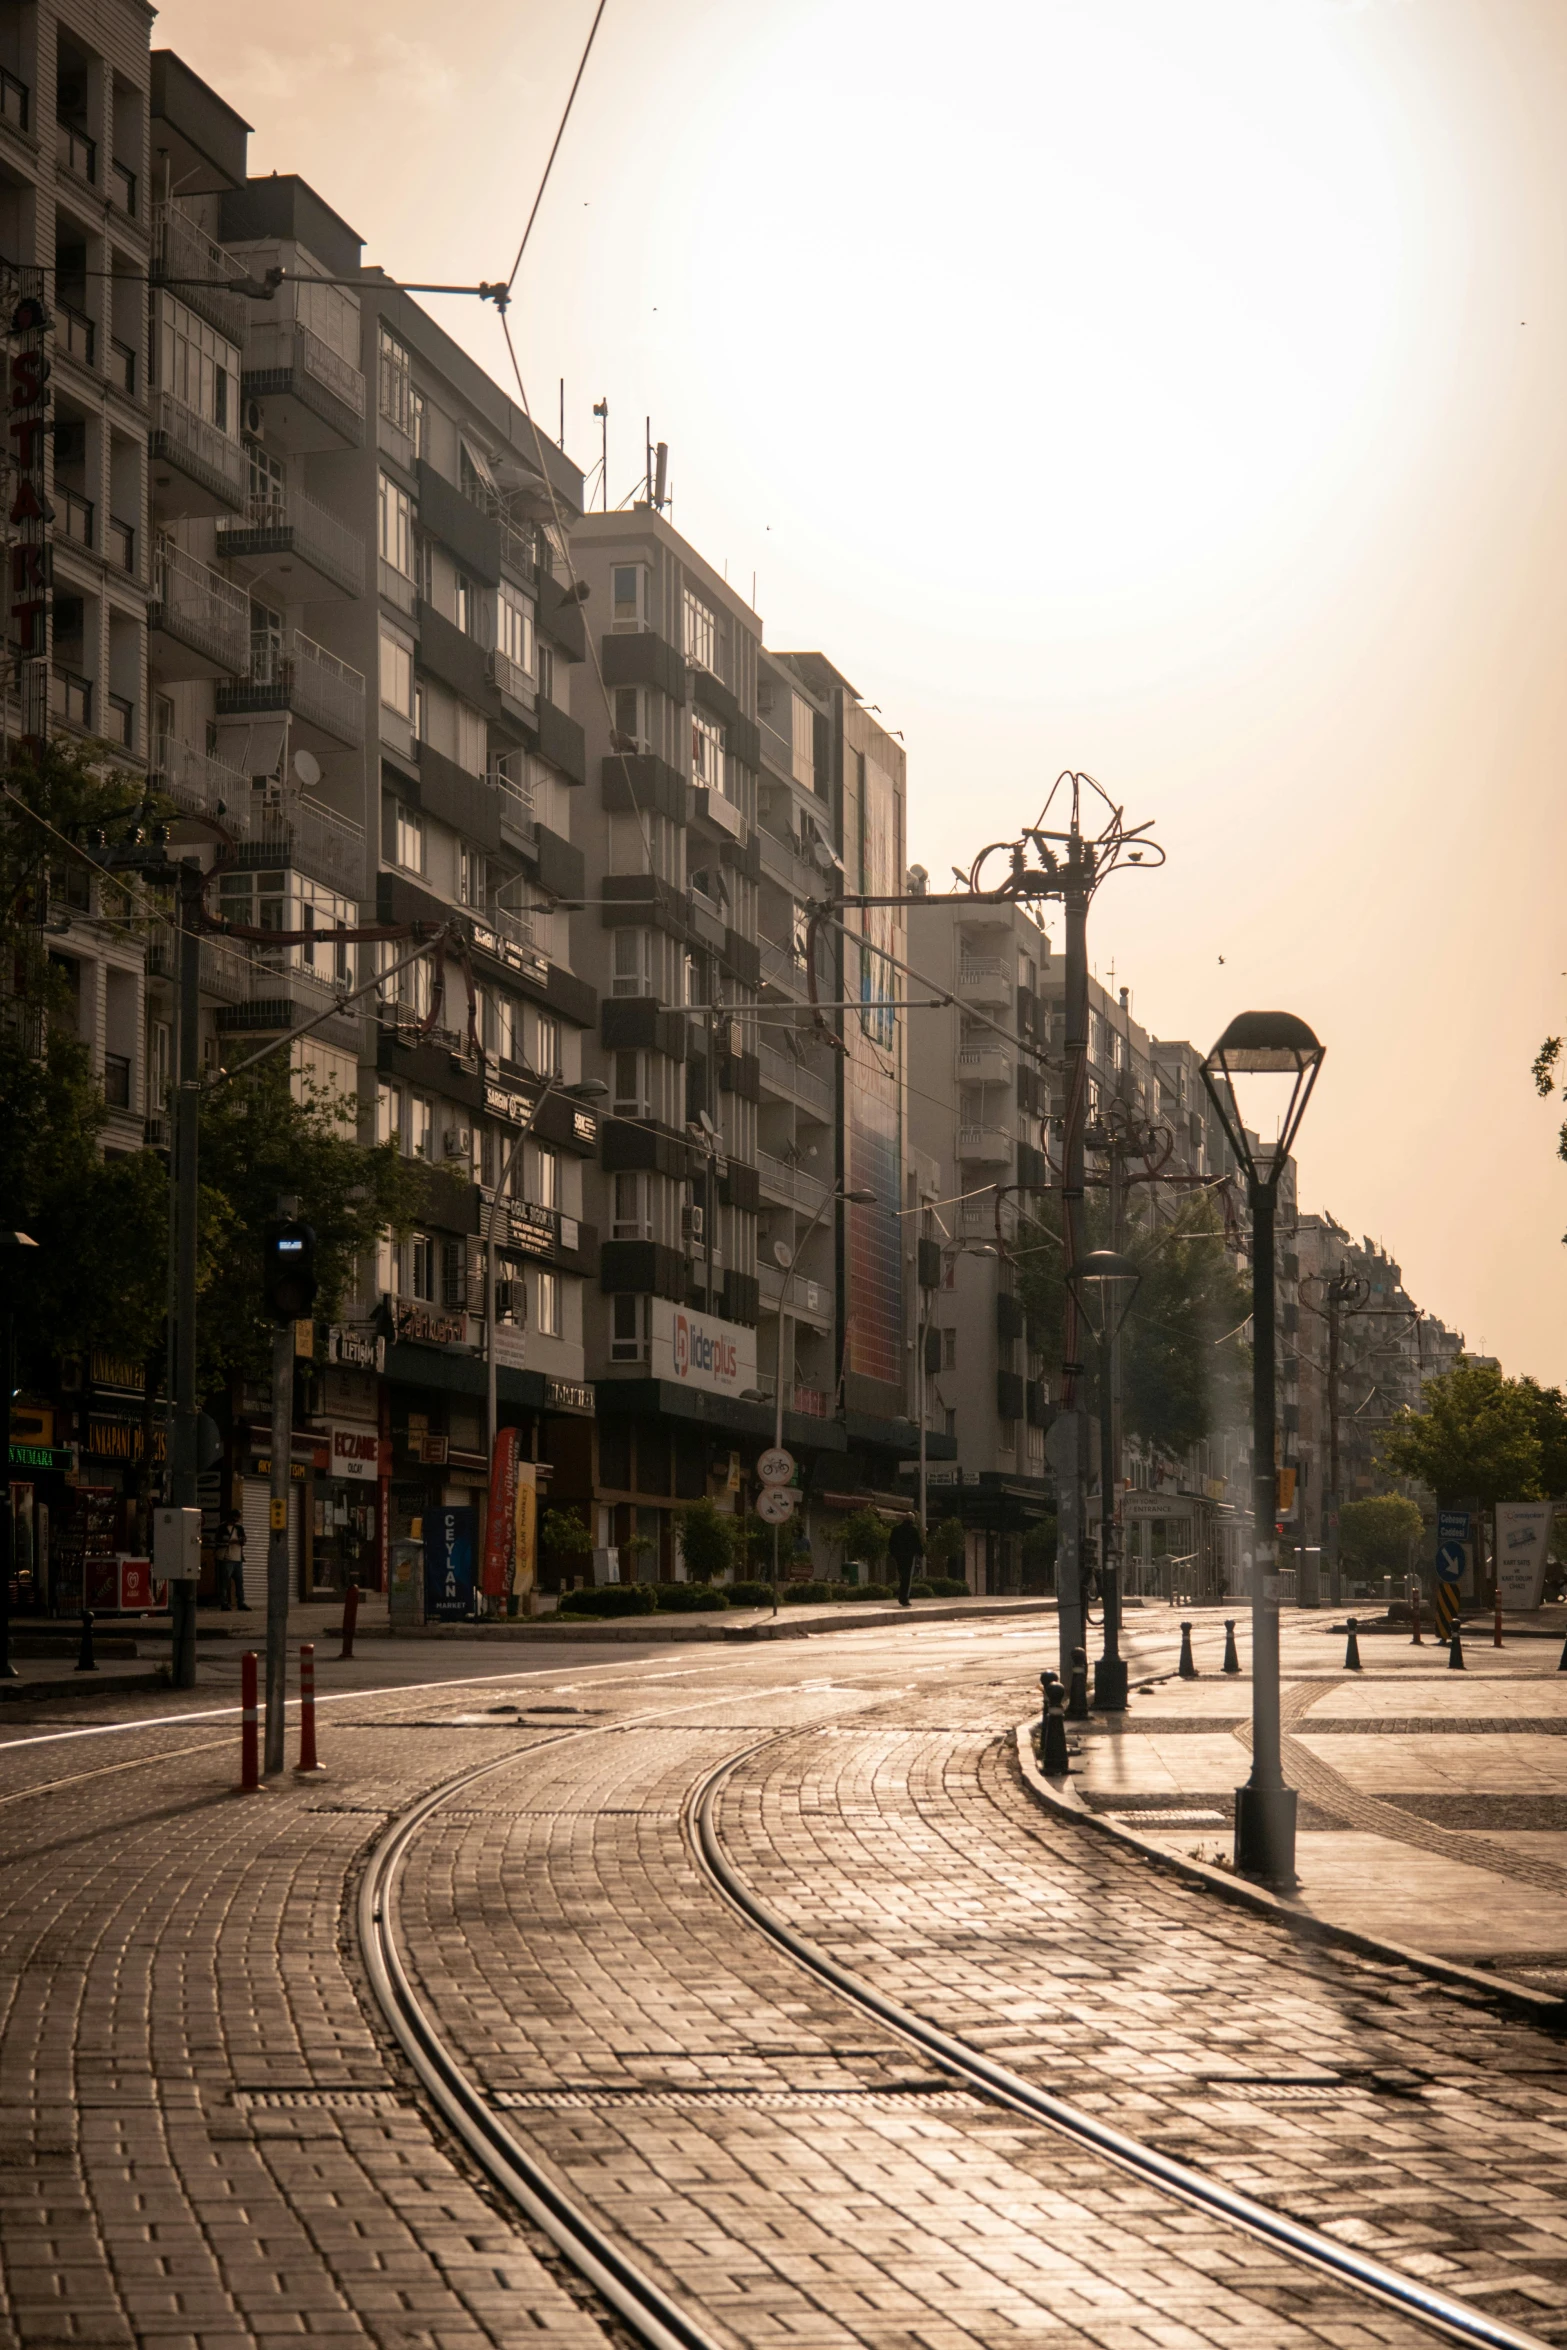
(697, 1350)
(1523, 1536)
(448, 1565)
(355, 1451)
(525, 1533)
(499, 1534)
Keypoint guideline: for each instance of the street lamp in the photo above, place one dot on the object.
(855, 1199)
(589, 1089)
(1259, 1078)
(1104, 1285)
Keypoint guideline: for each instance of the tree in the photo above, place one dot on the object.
(862, 1537)
(708, 1541)
(1549, 1406)
(1475, 1434)
(564, 1534)
(944, 1547)
(1543, 1071)
(1376, 1532)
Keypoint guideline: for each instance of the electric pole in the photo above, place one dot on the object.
(184, 1465)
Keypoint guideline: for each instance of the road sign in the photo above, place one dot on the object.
(776, 1467)
(1451, 1560)
(1454, 1526)
(775, 1504)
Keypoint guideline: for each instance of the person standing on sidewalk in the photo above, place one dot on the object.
(905, 1548)
(231, 1563)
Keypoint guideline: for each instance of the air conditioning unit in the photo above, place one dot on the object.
(457, 1142)
(506, 1300)
(253, 418)
(691, 1224)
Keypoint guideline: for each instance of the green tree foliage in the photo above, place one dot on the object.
(1476, 1433)
(1375, 1532)
(53, 806)
(1544, 1072)
(862, 1537)
(565, 1535)
(708, 1541)
(1549, 1406)
(944, 1547)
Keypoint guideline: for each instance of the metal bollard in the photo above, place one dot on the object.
(1562, 1667)
(86, 1662)
(1232, 1661)
(1188, 1669)
(1415, 1640)
(249, 1739)
(307, 1766)
(1455, 1652)
(1352, 1662)
(350, 1621)
(1077, 1698)
(1053, 1760)
(1046, 1679)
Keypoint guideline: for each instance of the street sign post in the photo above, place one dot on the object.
(775, 1504)
(776, 1467)
(1453, 1535)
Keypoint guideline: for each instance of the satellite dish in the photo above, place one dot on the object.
(706, 1123)
(783, 1255)
(307, 769)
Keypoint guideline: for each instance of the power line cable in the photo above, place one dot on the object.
(560, 132)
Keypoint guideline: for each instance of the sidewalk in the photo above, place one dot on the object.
(1433, 1804)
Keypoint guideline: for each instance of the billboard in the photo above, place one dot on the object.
(1523, 1536)
(698, 1350)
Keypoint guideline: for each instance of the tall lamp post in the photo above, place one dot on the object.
(11, 1260)
(1259, 1078)
(1104, 1284)
(855, 1199)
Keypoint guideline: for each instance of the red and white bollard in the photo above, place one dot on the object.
(350, 1620)
(249, 1734)
(307, 1766)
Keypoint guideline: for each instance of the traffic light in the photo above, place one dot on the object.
(289, 1271)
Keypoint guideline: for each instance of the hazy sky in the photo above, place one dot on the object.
(1167, 388)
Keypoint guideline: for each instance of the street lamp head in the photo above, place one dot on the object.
(1104, 1284)
(860, 1199)
(587, 1089)
(1259, 1078)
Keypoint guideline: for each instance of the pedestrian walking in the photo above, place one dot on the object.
(905, 1548)
(231, 1563)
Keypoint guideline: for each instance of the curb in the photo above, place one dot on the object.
(790, 1624)
(1066, 1803)
(89, 1685)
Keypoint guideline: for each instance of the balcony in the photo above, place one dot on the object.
(984, 1146)
(984, 1065)
(76, 515)
(122, 367)
(514, 685)
(273, 535)
(782, 1073)
(78, 153)
(119, 723)
(120, 546)
(198, 271)
(198, 621)
(16, 101)
(122, 186)
(519, 829)
(201, 785)
(314, 685)
(71, 698)
(809, 1301)
(987, 979)
(782, 969)
(74, 334)
(313, 839)
(211, 467)
(780, 1181)
(315, 399)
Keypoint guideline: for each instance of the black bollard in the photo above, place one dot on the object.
(1232, 1662)
(1562, 1667)
(1188, 1669)
(1046, 1679)
(86, 1662)
(1077, 1700)
(1455, 1652)
(1053, 1755)
(1352, 1647)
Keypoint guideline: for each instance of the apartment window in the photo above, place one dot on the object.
(396, 385)
(419, 1258)
(949, 1350)
(514, 627)
(628, 718)
(470, 875)
(158, 1064)
(630, 1083)
(268, 481)
(628, 592)
(266, 642)
(628, 1322)
(546, 1179)
(407, 837)
(632, 1219)
(803, 742)
(546, 654)
(546, 1032)
(397, 673)
(492, 1149)
(707, 751)
(951, 1427)
(701, 634)
(421, 1129)
(388, 1113)
(421, 713)
(197, 365)
(473, 740)
(417, 413)
(454, 1274)
(633, 971)
(395, 526)
(548, 1301)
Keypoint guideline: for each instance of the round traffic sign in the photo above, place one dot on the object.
(1451, 1560)
(776, 1466)
(775, 1504)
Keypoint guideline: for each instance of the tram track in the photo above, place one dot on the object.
(495, 2140)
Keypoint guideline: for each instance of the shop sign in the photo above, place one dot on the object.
(448, 1565)
(116, 1371)
(32, 1423)
(355, 1451)
(510, 1342)
(532, 1231)
(526, 959)
(429, 1449)
(1523, 1536)
(41, 1456)
(426, 1324)
(502, 1102)
(569, 1395)
(585, 1126)
(120, 1440)
(697, 1350)
(356, 1350)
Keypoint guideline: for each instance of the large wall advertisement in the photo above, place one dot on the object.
(873, 1070)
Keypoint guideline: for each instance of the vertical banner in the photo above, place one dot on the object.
(1523, 1536)
(448, 1565)
(499, 1533)
(525, 1537)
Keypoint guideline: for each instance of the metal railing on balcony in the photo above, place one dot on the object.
(286, 347)
(198, 448)
(120, 545)
(508, 679)
(783, 1181)
(122, 366)
(316, 839)
(205, 786)
(784, 1074)
(326, 690)
(782, 969)
(294, 522)
(76, 514)
(16, 101)
(74, 333)
(198, 270)
(991, 1146)
(119, 724)
(79, 153)
(985, 976)
(984, 1065)
(122, 186)
(516, 803)
(199, 607)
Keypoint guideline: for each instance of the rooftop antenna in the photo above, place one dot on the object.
(601, 411)
(660, 472)
(563, 412)
(647, 458)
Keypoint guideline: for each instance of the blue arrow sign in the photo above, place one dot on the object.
(1451, 1559)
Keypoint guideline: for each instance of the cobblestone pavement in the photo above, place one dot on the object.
(206, 2140)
